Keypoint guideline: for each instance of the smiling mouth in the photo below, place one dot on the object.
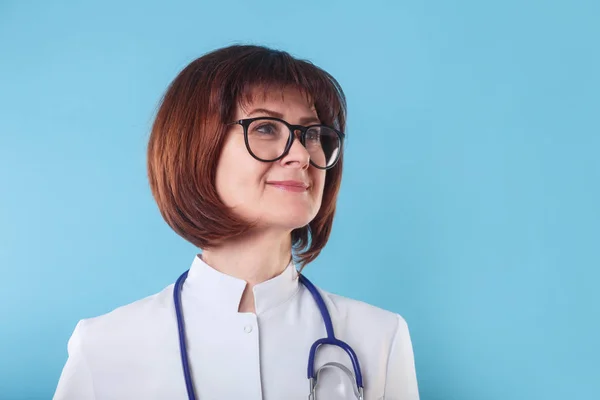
(290, 186)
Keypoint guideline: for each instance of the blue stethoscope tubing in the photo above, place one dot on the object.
(330, 339)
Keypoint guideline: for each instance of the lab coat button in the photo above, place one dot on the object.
(248, 328)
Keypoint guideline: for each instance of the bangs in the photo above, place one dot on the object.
(268, 72)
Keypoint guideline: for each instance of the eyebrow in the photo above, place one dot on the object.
(303, 121)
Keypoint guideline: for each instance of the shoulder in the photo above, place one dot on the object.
(127, 324)
(348, 308)
(125, 341)
(371, 321)
(382, 340)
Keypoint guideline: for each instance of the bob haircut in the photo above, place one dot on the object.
(189, 131)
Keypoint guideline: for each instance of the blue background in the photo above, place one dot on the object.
(470, 200)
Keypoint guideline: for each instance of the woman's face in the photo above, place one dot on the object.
(285, 194)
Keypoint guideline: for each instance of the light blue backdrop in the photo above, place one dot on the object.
(470, 202)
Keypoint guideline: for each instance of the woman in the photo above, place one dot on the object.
(245, 162)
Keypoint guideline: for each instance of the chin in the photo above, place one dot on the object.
(291, 221)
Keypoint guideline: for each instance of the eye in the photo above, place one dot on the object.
(266, 128)
(313, 136)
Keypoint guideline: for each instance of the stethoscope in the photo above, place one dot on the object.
(313, 376)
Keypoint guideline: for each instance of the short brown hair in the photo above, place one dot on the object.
(189, 130)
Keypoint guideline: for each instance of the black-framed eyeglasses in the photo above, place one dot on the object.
(269, 139)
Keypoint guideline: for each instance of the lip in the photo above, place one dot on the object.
(290, 186)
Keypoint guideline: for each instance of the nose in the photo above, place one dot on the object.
(298, 156)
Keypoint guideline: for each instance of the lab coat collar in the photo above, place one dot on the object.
(224, 292)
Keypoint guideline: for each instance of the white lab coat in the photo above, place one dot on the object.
(133, 352)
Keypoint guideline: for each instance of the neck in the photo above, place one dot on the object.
(254, 258)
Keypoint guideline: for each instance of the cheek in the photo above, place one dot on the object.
(318, 178)
(239, 176)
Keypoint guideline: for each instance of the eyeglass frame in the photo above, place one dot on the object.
(245, 123)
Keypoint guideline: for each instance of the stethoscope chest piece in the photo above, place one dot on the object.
(346, 372)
